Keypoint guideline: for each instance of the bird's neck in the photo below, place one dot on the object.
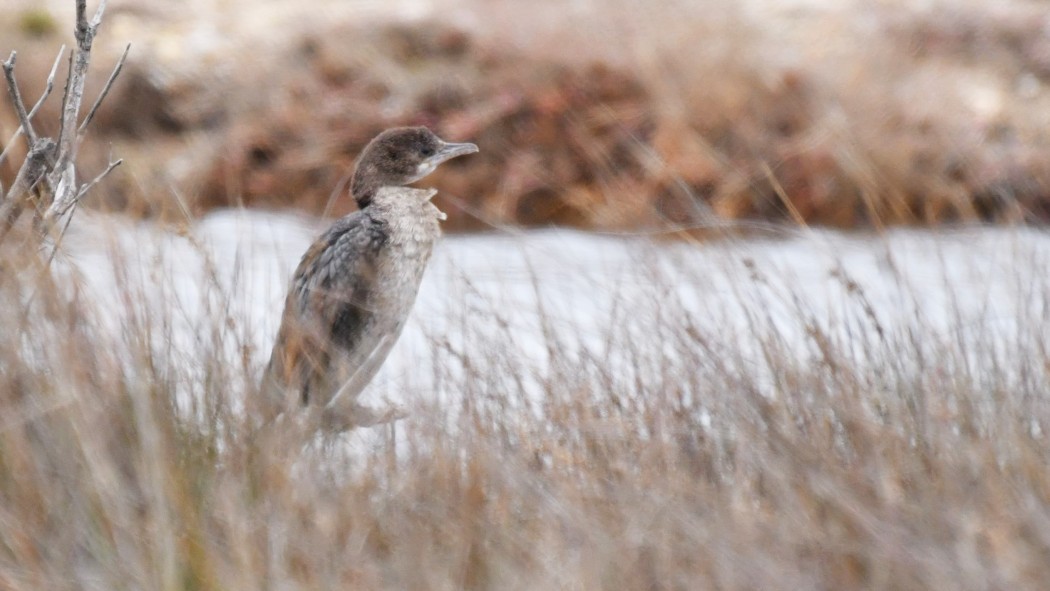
(364, 184)
(363, 190)
(406, 211)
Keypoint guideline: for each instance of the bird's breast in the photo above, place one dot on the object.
(411, 225)
(399, 272)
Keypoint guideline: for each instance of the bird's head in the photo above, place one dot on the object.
(398, 157)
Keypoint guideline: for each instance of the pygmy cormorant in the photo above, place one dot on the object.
(354, 287)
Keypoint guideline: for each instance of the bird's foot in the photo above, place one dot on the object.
(338, 420)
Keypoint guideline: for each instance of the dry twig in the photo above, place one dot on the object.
(36, 107)
(50, 164)
(105, 91)
(63, 177)
(67, 213)
(16, 97)
(88, 186)
(32, 172)
(50, 85)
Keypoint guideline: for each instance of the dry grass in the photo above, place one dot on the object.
(869, 457)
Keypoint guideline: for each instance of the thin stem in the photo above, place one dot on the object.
(50, 83)
(105, 91)
(32, 112)
(90, 185)
(16, 97)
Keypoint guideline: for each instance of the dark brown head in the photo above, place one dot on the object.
(400, 156)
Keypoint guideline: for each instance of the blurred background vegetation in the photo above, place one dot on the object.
(607, 115)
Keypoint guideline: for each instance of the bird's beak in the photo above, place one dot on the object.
(449, 150)
(445, 151)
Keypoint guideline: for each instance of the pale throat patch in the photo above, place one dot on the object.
(424, 169)
(395, 197)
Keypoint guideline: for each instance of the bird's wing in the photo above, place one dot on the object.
(328, 308)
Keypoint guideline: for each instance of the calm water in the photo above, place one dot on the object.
(556, 292)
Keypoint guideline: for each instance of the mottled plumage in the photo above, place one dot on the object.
(354, 287)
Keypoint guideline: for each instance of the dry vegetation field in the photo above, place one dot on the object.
(867, 455)
(872, 454)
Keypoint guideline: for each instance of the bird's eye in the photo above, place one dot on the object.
(427, 151)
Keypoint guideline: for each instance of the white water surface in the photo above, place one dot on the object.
(537, 293)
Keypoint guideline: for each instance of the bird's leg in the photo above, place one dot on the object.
(364, 371)
(344, 412)
(339, 419)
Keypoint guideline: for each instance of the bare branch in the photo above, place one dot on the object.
(62, 211)
(64, 182)
(97, 19)
(16, 97)
(105, 91)
(61, 235)
(61, 206)
(33, 170)
(50, 83)
(75, 95)
(81, 30)
(36, 107)
(49, 170)
(65, 96)
(10, 144)
(85, 31)
(90, 185)
(68, 139)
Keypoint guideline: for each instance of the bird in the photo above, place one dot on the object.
(354, 287)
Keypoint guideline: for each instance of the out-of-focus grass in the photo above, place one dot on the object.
(874, 458)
